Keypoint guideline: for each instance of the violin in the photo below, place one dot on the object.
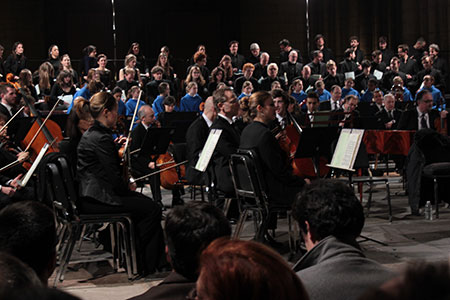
(171, 174)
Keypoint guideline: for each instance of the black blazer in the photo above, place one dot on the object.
(325, 105)
(383, 118)
(280, 183)
(99, 171)
(196, 137)
(409, 119)
(5, 111)
(227, 145)
(139, 162)
(290, 70)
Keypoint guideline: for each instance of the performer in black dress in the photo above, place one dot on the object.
(103, 189)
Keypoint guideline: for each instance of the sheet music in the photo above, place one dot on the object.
(208, 149)
(350, 75)
(36, 162)
(67, 99)
(378, 74)
(346, 149)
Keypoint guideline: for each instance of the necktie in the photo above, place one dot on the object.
(423, 122)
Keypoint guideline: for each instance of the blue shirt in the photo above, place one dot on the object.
(189, 103)
(158, 106)
(367, 96)
(130, 106)
(122, 111)
(324, 96)
(243, 95)
(83, 92)
(350, 91)
(407, 95)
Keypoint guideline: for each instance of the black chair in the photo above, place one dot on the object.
(64, 198)
(437, 171)
(252, 197)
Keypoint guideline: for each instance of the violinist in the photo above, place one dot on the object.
(281, 185)
(10, 191)
(103, 189)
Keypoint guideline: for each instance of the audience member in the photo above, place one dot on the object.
(290, 69)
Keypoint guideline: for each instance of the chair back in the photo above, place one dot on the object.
(247, 179)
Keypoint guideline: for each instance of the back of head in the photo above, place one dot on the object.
(189, 229)
(331, 208)
(27, 231)
(219, 96)
(15, 274)
(236, 269)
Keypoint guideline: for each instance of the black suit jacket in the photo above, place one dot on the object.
(291, 70)
(349, 122)
(5, 111)
(281, 185)
(173, 287)
(383, 118)
(139, 162)
(228, 144)
(325, 105)
(196, 137)
(409, 119)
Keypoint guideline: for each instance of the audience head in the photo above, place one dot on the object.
(349, 53)
(247, 87)
(53, 52)
(209, 110)
(389, 102)
(427, 62)
(157, 73)
(272, 70)
(382, 42)
(37, 293)
(331, 67)
(293, 56)
(27, 231)
(377, 56)
(328, 208)
(317, 56)
(276, 85)
(395, 64)
(163, 88)
(8, 94)
(433, 50)
(130, 61)
(419, 281)
(236, 269)
(248, 69)
(254, 49)
(192, 88)
(264, 58)
(218, 75)
(336, 92)
(350, 103)
(15, 274)
(281, 101)
(169, 103)
(233, 46)
(189, 229)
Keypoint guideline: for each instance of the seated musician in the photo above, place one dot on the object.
(312, 105)
(196, 135)
(145, 164)
(281, 184)
(388, 116)
(103, 188)
(349, 116)
(168, 104)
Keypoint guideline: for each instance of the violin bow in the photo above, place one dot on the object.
(9, 121)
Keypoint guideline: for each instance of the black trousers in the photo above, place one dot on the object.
(146, 216)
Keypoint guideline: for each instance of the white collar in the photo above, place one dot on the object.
(226, 118)
(207, 120)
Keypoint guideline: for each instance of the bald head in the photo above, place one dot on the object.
(210, 110)
(146, 115)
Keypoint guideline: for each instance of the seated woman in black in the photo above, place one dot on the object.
(63, 89)
(281, 184)
(103, 189)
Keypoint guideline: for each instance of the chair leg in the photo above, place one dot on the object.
(67, 253)
(226, 206)
(436, 197)
(369, 200)
(132, 245)
(113, 246)
(240, 224)
(388, 196)
(83, 231)
(125, 245)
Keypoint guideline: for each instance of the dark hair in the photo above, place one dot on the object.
(130, 51)
(365, 63)
(27, 231)
(404, 47)
(280, 93)
(382, 39)
(284, 42)
(331, 208)
(353, 37)
(162, 87)
(198, 56)
(100, 101)
(116, 90)
(4, 87)
(420, 280)
(189, 229)
(60, 79)
(169, 100)
(375, 53)
(317, 37)
(312, 94)
(347, 52)
(14, 47)
(89, 49)
(15, 274)
(233, 42)
(50, 50)
(373, 81)
(100, 56)
(238, 270)
(421, 94)
(219, 96)
(214, 73)
(316, 53)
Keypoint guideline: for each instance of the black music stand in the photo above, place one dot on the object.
(316, 142)
(181, 122)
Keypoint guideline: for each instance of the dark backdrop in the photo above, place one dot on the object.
(182, 25)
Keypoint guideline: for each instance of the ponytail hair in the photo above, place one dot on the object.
(101, 101)
(258, 98)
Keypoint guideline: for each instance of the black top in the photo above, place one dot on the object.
(99, 171)
(196, 137)
(15, 64)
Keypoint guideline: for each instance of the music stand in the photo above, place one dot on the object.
(181, 122)
(316, 142)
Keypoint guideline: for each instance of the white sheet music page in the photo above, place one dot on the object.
(208, 149)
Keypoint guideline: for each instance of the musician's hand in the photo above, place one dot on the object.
(388, 125)
(444, 114)
(307, 180)
(121, 139)
(132, 186)
(8, 191)
(342, 124)
(22, 156)
(15, 182)
(152, 165)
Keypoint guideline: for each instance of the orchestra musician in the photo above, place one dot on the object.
(103, 188)
(281, 185)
